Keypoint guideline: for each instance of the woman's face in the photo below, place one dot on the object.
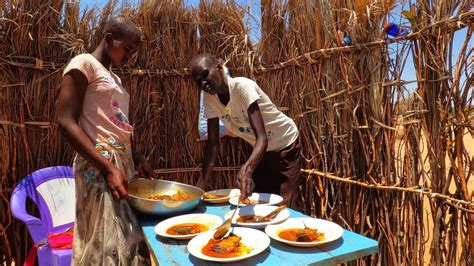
(120, 51)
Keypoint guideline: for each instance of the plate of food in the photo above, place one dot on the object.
(256, 216)
(242, 243)
(220, 195)
(305, 232)
(258, 199)
(187, 226)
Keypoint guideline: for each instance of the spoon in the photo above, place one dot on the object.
(272, 214)
(305, 226)
(222, 231)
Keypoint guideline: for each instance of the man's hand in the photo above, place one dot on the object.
(117, 183)
(245, 183)
(145, 170)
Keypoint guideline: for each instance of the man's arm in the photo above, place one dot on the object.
(210, 153)
(244, 177)
(71, 99)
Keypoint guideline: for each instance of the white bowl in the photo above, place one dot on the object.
(260, 210)
(210, 220)
(271, 199)
(255, 239)
(331, 230)
(228, 192)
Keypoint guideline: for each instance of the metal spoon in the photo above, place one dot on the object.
(272, 214)
(222, 231)
(305, 226)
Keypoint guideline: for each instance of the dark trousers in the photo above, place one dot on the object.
(279, 173)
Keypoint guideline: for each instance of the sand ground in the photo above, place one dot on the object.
(469, 145)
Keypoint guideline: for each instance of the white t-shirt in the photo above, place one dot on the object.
(281, 130)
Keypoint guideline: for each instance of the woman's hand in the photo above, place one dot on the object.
(117, 183)
(144, 169)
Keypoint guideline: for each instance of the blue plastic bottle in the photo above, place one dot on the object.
(394, 30)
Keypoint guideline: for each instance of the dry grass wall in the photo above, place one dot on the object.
(363, 142)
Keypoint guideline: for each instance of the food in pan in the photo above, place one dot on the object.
(178, 196)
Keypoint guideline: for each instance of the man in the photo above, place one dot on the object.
(248, 113)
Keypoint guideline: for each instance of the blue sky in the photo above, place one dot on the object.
(408, 73)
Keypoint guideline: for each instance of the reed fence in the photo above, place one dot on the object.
(382, 160)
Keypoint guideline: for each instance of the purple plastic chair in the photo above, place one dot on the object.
(53, 191)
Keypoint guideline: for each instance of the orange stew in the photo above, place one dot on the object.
(301, 235)
(249, 219)
(213, 196)
(229, 247)
(178, 196)
(253, 202)
(187, 229)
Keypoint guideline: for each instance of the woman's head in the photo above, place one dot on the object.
(121, 40)
(208, 72)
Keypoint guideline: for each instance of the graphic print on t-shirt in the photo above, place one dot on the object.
(119, 119)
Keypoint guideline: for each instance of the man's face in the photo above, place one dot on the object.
(120, 51)
(208, 76)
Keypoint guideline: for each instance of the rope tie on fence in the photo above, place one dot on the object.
(39, 63)
(456, 203)
(28, 123)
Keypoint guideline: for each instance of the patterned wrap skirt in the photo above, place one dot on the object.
(106, 230)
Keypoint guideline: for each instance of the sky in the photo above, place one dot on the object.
(254, 6)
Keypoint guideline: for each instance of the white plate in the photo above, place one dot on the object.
(253, 238)
(228, 192)
(210, 220)
(331, 230)
(272, 199)
(260, 210)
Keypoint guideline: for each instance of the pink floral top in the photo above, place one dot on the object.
(105, 108)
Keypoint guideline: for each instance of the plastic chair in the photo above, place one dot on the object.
(53, 191)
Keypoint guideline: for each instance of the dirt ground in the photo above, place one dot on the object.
(469, 144)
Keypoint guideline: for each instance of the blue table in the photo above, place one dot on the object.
(172, 252)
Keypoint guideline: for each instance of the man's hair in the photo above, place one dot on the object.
(205, 56)
(121, 28)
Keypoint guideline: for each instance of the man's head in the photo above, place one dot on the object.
(121, 38)
(208, 72)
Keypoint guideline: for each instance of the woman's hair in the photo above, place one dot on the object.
(121, 28)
